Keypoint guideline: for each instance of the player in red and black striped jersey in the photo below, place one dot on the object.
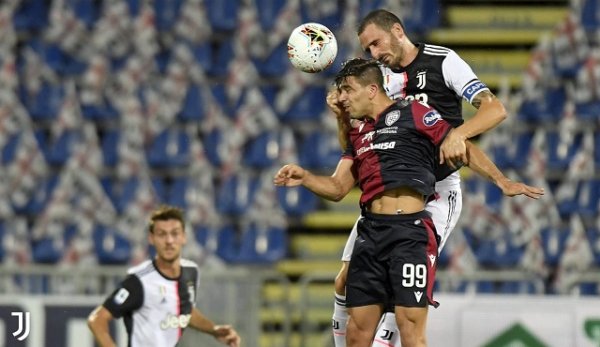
(438, 77)
(157, 298)
(392, 157)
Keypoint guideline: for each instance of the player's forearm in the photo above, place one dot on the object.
(101, 334)
(483, 165)
(490, 113)
(343, 128)
(200, 322)
(327, 187)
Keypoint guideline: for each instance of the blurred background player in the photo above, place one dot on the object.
(157, 298)
(438, 77)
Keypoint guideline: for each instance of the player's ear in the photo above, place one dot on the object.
(397, 31)
(373, 90)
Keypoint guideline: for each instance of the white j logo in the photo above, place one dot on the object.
(23, 329)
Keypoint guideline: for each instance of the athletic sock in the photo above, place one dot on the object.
(387, 333)
(340, 318)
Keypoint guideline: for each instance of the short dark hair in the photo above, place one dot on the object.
(382, 18)
(366, 71)
(164, 213)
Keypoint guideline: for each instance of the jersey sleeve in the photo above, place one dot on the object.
(429, 122)
(460, 77)
(127, 298)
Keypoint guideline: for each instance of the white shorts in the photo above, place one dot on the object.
(445, 211)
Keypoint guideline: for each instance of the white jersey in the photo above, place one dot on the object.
(155, 308)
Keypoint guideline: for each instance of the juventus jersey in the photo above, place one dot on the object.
(155, 308)
(397, 149)
(438, 77)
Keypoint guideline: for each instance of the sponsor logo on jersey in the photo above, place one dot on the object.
(390, 130)
(421, 79)
(368, 136)
(432, 259)
(172, 321)
(392, 117)
(121, 296)
(383, 145)
(431, 118)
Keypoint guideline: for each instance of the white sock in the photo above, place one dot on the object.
(340, 318)
(387, 333)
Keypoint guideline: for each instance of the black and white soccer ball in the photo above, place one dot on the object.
(312, 47)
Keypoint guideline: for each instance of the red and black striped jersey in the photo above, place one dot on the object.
(397, 149)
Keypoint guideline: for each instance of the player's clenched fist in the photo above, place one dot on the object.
(289, 175)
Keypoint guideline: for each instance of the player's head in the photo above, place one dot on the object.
(381, 34)
(166, 232)
(359, 82)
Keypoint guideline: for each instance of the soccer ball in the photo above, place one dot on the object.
(312, 47)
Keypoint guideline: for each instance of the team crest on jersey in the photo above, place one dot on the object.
(421, 79)
(431, 118)
(392, 117)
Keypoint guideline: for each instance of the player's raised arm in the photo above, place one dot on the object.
(334, 187)
(483, 165)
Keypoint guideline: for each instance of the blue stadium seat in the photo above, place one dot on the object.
(134, 7)
(588, 111)
(588, 288)
(498, 254)
(275, 64)
(193, 105)
(123, 193)
(557, 159)
(507, 157)
(59, 151)
(46, 103)
(268, 12)
(211, 144)
(110, 147)
(31, 15)
(590, 15)
(203, 54)
(593, 236)
(223, 14)
(166, 13)
(100, 112)
(207, 237)
(597, 150)
(46, 251)
(549, 108)
(320, 150)
(176, 194)
(2, 232)
(332, 20)
(553, 243)
(38, 200)
(222, 55)
(296, 201)
(262, 151)
(220, 95)
(88, 11)
(9, 151)
(171, 148)
(111, 247)
(236, 193)
(588, 202)
(262, 245)
(517, 287)
(308, 107)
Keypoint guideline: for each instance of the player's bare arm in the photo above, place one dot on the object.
(334, 187)
(98, 323)
(224, 333)
(489, 114)
(342, 117)
(483, 165)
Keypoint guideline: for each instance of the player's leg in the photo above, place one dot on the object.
(412, 275)
(445, 210)
(340, 313)
(362, 326)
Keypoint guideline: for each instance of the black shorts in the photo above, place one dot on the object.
(393, 261)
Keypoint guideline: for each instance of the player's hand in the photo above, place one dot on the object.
(453, 150)
(227, 335)
(290, 175)
(511, 188)
(334, 104)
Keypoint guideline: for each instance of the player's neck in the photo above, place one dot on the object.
(381, 105)
(171, 269)
(410, 53)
